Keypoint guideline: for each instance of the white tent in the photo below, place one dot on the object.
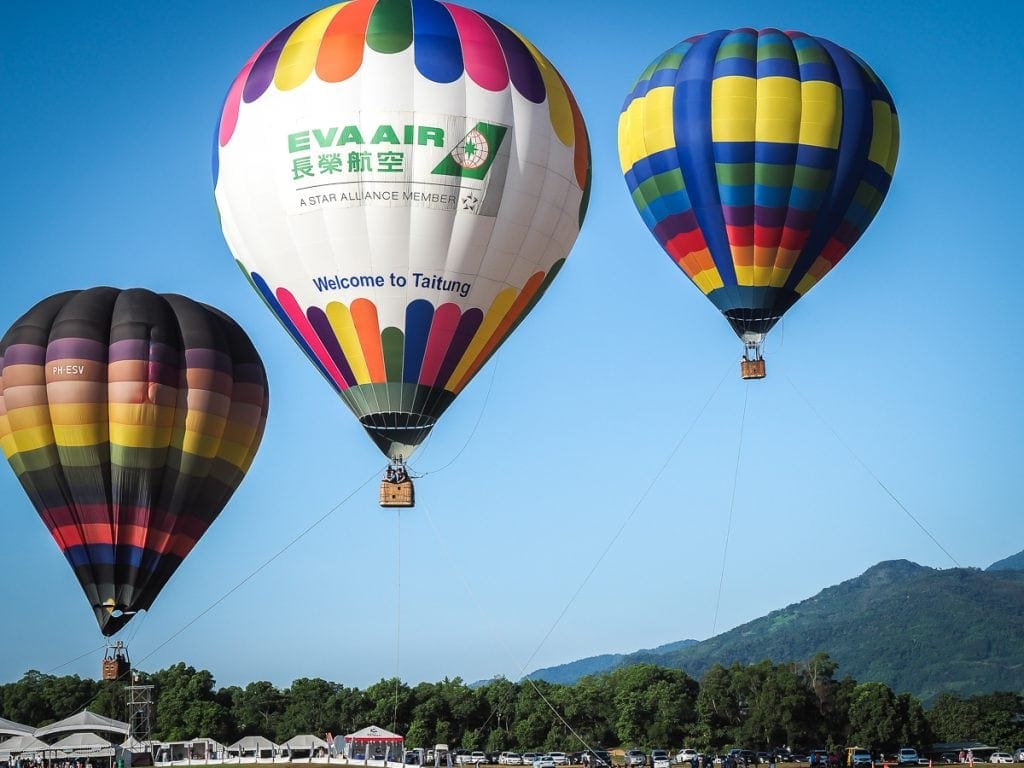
(304, 745)
(253, 746)
(18, 745)
(83, 744)
(86, 721)
(373, 743)
(134, 745)
(11, 728)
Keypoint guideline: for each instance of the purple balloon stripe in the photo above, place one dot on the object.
(523, 69)
(24, 354)
(675, 224)
(249, 373)
(738, 215)
(461, 339)
(799, 219)
(71, 348)
(770, 217)
(211, 359)
(318, 319)
(262, 73)
(143, 349)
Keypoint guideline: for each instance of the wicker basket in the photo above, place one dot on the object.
(396, 494)
(752, 369)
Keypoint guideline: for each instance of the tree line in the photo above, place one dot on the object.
(758, 706)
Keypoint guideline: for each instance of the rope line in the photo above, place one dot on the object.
(732, 507)
(259, 568)
(398, 619)
(479, 418)
(221, 599)
(871, 473)
(629, 516)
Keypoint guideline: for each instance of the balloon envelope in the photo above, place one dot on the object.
(129, 418)
(757, 159)
(400, 180)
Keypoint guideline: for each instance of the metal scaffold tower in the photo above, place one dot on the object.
(140, 711)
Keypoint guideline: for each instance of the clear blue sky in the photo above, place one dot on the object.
(906, 351)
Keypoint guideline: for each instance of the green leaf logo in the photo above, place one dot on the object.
(473, 155)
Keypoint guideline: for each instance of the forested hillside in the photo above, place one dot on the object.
(918, 630)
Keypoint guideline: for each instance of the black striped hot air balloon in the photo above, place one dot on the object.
(129, 418)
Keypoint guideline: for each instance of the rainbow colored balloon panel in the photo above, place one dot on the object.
(400, 181)
(757, 159)
(129, 418)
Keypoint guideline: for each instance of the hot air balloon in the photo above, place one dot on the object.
(129, 418)
(757, 159)
(400, 181)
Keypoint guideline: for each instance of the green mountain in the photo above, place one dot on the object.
(567, 674)
(1011, 563)
(919, 630)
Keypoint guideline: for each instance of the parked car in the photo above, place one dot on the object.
(529, 757)
(543, 761)
(660, 758)
(636, 757)
(597, 758)
(1001, 757)
(686, 755)
(478, 758)
(907, 756)
(559, 758)
(860, 757)
(1018, 754)
(510, 758)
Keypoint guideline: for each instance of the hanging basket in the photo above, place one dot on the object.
(752, 369)
(397, 493)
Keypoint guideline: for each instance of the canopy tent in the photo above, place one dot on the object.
(304, 745)
(134, 745)
(19, 745)
(85, 721)
(11, 728)
(257, 746)
(82, 744)
(373, 743)
(190, 749)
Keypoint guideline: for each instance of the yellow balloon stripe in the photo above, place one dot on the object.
(558, 100)
(822, 118)
(881, 149)
(499, 308)
(733, 108)
(345, 330)
(646, 127)
(298, 57)
(80, 435)
(779, 107)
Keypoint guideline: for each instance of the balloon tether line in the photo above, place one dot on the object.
(499, 639)
(398, 617)
(872, 474)
(267, 562)
(479, 418)
(732, 507)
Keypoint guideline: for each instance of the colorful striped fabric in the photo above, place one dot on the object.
(450, 41)
(129, 418)
(400, 181)
(757, 159)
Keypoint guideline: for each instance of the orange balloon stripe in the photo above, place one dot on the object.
(504, 327)
(341, 52)
(364, 318)
(581, 148)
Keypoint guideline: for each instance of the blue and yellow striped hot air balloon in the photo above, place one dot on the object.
(757, 159)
